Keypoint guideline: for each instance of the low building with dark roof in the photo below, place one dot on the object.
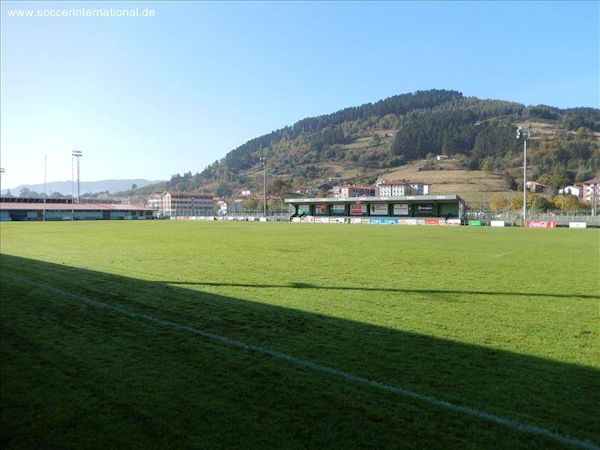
(35, 209)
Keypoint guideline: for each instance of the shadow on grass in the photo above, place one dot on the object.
(375, 289)
(559, 396)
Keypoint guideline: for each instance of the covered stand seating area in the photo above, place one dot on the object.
(380, 209)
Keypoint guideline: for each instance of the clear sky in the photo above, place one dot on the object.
(147, 97)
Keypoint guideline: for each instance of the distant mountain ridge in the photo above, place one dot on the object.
(64, 187)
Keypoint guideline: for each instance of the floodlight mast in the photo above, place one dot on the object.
(263, 161)
(524, 133)
(77, 154)
(1, 172)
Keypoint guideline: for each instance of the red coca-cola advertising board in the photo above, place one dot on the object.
(540, 224)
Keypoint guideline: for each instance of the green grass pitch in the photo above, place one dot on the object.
(505, 321)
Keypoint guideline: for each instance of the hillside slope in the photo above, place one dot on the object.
(377, 139)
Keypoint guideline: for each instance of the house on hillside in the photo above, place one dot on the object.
(577, 191)
(534, 186)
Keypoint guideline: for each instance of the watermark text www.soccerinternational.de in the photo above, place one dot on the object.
(81, 12)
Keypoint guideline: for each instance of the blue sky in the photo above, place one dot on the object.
(150, 97)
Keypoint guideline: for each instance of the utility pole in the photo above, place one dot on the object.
(77, 154)
(45, 165)
(263, 161)
(524, 133)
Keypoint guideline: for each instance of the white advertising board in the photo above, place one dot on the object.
(401, 209)
(379, 209)
(577, 225)
(407, 221)
(496, 223)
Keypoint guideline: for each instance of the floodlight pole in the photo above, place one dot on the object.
(77, 154)
(1, 172)
(72, 193)
(45, 165)
(263, 161)
(524, 133)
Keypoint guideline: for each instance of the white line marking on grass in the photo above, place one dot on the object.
(473, 412)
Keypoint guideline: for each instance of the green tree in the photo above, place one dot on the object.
(509, 181)
(250, 204)
(498, 203)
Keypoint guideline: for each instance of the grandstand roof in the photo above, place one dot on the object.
(72, 206)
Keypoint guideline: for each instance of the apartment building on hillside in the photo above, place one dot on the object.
(177, 204)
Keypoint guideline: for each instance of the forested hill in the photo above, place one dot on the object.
(357, 143)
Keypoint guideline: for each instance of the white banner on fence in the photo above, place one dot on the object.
(355, 220)
(577, 225)
(407, 221)
(497, 223)
(453, 222)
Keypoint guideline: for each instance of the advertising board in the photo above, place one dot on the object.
(407, 221)
(432, 221)
(475, 223)
(497, 223)
(384, 221)
(338, 210)
(424, 210)
(540, 224)
(401, 209)
(358, 209)
(321, 210)
(379, 209)
(577, 225)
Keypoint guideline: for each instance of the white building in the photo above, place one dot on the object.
(589, 188)
(174, 204)
(571, 190)
(399, 188)
(354, 191)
